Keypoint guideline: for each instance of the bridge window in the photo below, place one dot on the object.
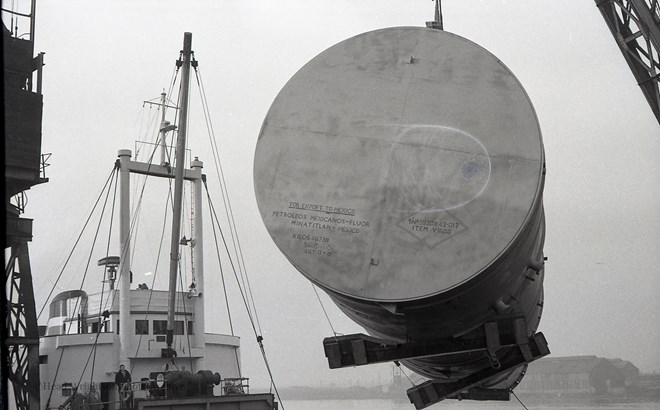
(58, 308)
(160, 327)
(141, 327)
(191, 327)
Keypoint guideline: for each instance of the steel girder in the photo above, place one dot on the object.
(21, 344)
(635, 25)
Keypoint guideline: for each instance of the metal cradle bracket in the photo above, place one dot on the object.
(495, 339)
(433, 391)
(360, 349)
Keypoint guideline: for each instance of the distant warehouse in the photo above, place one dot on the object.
(579, 376)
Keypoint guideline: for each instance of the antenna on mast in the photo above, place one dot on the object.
(165, 126)
(437, 23)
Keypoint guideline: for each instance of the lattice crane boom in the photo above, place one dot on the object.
(635, 25)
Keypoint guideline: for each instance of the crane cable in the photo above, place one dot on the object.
(517, 398)
(335, 333)
(398, 364)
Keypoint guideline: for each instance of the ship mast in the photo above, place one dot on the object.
(178, 185)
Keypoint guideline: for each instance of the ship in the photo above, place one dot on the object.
(131, 346)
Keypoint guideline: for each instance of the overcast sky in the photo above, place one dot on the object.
(602, 144)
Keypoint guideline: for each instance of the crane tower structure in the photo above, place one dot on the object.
(635, 25)
(24, 168)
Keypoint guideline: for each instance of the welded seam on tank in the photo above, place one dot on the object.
(408, 79)
(379, 226)
(323, 133)
(409, 76)
(272, 185)
(506, 202)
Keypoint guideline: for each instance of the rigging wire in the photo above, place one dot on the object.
(138, 214)
(170, 88)
(270, 373)
(396, 362)
(152, 120)
(222, 277)
(133, 224)
(82, 284)
(234, 233)
(184, 218)
(89, 217)
(111, 301)
(225, 195)
(193, 275)
(152, 123)
(240, 261)
(133, 228)
(153, 280)
(325, 312)
(89, 356)
(185, 314)
(217, 250)
(517, 398)
(171, 203)
(109, 180)
(245, 302)
(107, 254)
(91, 251)
(57, 369)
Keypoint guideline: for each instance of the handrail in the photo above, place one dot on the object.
(16, 13)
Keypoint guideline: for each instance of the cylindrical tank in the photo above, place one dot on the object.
(402, 172)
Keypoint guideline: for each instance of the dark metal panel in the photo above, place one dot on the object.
(23, 115)
(18, 229)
